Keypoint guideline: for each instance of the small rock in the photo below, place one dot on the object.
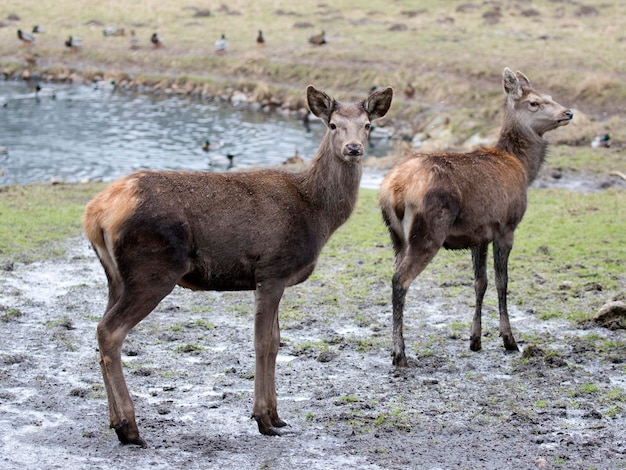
(593, 414)
(8, 266)
(326, 356)
(612, 315)
(533, 351)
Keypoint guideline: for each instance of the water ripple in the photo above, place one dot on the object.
(87, 134)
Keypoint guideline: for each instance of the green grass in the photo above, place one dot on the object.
(10, 314)
(568, 244)
(35, 219)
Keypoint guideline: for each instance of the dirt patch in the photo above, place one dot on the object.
(190, 368)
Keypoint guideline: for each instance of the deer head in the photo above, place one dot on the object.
(532, 109)
(348, 131)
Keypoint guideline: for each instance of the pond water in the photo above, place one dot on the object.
(84, 133)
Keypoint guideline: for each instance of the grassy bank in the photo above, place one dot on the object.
(451, 52)
(567, 259)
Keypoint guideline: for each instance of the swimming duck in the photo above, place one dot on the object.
(156, 41)
(260, 40)
(4, 151)
(601, 141)
(38, 29)
(222, 161)
(45, 91)
(295, 159)
(318, 39)
(220, 45)
(379, 133)
(106, 85)
(73, 44)
(208, 145)
(27, 39)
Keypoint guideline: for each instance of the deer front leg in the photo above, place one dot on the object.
(479, 260)
(266, 343)
(501, 250)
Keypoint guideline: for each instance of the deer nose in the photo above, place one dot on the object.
(568, 113)
(354, 150)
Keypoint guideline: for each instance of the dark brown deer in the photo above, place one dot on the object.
(259, 230)
(462, 201)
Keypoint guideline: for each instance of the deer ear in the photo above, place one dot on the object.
(377, 104)
(523, 80)
(320, 104)
(511, 84)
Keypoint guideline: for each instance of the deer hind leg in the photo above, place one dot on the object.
(266, 343)
(128, 305)
(501, 250)
(479, 261)
(423, 244)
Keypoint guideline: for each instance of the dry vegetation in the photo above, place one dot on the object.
(451, 52)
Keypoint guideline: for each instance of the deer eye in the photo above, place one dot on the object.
(533, 104)
(333, 126)
(368, 126)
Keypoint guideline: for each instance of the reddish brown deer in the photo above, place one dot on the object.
(258, 230)
(462, 201)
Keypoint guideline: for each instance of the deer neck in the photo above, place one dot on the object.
(332, 186)
(525, 144)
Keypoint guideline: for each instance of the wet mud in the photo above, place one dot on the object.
(190, 369)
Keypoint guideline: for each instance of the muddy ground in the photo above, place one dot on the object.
(190, 368)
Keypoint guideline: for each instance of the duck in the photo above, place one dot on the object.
(27, 39)
(113, 31)
(379, 133)
(106, 85)
(73, 44)
(4, 151)
(208, 145)
(37, 29)
(220, 45)
(260, 40)
(601, 141)
(222, 161)
(45, 91)
(295, 159)
(409, 90)
(156, 41)
(318, 39)
(134, 40)
(3, 102)
(30, 59)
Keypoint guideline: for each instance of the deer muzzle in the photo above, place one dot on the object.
(353, 151)
(568, 115)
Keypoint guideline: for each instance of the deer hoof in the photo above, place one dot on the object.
(127, 436)
(509, 344)
(278, 423)
(475, 344)
(266, 428)
(399, 360)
